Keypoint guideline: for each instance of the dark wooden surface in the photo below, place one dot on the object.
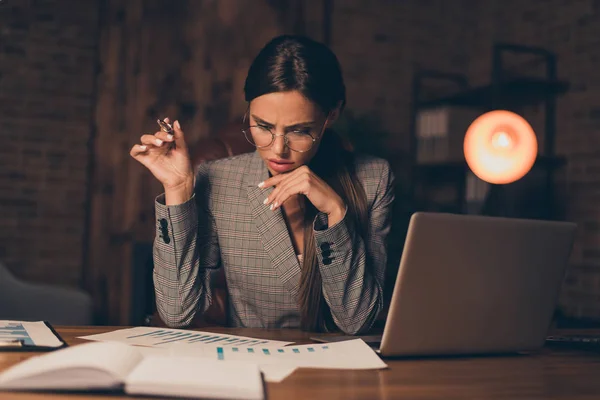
(549, 374)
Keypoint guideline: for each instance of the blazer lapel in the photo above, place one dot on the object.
(271, 227)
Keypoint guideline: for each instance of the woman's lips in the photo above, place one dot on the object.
(280, 165)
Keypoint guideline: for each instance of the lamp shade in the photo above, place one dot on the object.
(500, 147)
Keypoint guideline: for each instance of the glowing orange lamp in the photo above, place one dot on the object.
(500, 147)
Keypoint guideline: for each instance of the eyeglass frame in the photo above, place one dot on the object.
(285, 139)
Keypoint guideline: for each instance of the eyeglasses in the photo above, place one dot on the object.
(261, 137)
(299, 140)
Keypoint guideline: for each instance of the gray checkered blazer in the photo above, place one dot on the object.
(226, 225)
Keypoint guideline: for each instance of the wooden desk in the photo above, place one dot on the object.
(551, 374)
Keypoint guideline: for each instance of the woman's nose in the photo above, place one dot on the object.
(279, 146)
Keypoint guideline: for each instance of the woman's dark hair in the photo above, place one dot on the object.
(295, 63)
(289, 63)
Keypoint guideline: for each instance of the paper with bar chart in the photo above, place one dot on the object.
(163, 337)
(350, 354)
(30, 333)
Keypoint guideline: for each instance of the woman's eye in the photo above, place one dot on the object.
(305, 131)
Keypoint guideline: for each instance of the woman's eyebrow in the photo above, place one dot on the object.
(296, 125)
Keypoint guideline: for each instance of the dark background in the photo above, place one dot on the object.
(81, 80)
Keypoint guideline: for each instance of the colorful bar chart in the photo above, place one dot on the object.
(269, 351)
(14, 331)
(348, 354)
(164, 337)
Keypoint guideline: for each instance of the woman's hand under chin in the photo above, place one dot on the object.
(304, 181)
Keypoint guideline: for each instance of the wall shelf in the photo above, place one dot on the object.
(516, 92)
(437, 168)
(506, 90)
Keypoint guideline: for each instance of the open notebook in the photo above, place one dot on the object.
(117, 366)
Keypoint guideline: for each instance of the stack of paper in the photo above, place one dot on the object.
(275, 359)
(279, 362)
(164, 337)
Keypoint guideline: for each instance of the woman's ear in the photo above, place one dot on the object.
(334, 115)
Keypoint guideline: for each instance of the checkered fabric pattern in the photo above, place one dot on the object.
(226, 225)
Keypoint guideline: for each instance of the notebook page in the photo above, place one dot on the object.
(115, 358)
(195, 377)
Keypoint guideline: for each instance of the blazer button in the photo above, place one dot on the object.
(326, 261)
(164, 224)
(325, 246)
(326, 253)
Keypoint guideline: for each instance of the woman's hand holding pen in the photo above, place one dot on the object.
(166, 155)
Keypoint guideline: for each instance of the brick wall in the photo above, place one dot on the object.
(380, 44)
(47, 58)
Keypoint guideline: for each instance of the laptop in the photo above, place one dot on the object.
(472, 284)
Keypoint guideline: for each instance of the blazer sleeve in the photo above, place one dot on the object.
(353, 268)
(185, 252)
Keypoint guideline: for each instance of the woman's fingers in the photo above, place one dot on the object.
(274, 180)
(277, 197)
(179, 136)
(138, 149)
(164, 136)
(290, 187)
(163, 144)
(280, 182)
(151, 140)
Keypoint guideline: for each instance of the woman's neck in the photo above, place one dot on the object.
(293, 212)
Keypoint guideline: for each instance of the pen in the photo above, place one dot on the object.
(166, 127)
(12, 343)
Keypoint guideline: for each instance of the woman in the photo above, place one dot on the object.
(300, 226)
